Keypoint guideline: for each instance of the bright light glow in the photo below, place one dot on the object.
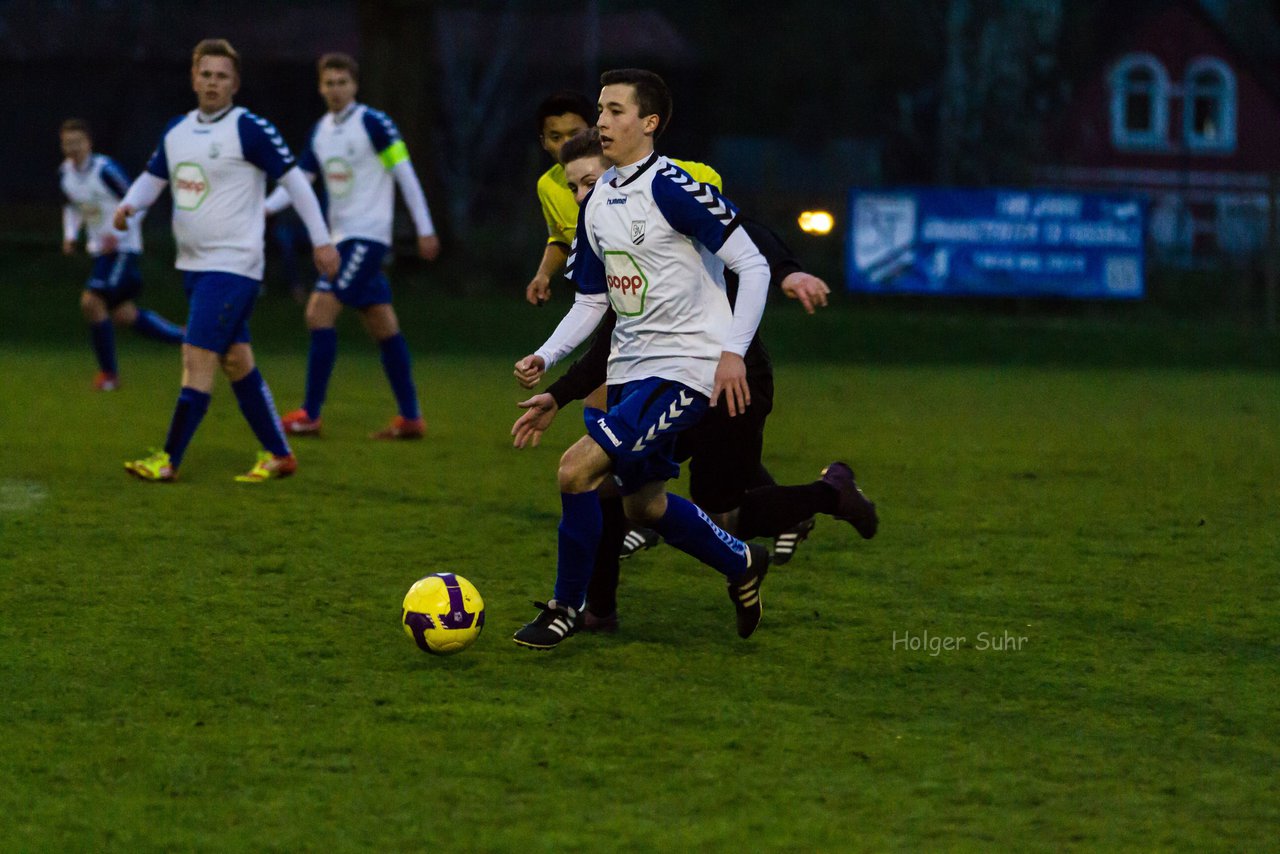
(816, 222)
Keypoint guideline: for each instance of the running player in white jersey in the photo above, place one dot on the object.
(93, 185)
(677, 347)
(359, 152)
(216, 160)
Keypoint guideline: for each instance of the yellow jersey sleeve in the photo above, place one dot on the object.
(558, 207)
(702, 173)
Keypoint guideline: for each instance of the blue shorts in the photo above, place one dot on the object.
(360, 281)
(639, 430)
(116, 278)
(219, 309)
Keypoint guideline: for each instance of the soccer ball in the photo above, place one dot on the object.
(443, 613)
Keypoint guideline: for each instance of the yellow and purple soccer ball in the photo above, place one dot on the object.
(443, 613)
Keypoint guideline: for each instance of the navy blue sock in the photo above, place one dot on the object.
(395, 361)
(686, 527)
(320, 360)
(192, 405)
(152, 325)
(260, 411)
(580, 526)
(104, 345)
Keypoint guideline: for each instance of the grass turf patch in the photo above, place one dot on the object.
(218, 666)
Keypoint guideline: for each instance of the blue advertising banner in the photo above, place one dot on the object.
(996, 243)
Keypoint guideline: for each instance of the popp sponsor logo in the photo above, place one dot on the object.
(191, 185)
(625, 284)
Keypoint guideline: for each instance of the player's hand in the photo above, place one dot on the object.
(538, 291)
(121, 218)
(810, 290)
(327, 260)
(109, 243)
(68, 247)
(529, 371)
(428, 247)
(731, 378)
(539, 411)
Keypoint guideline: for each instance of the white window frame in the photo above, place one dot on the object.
(1157, 139)
(1225, 142)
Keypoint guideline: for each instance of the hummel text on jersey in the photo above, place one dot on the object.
(604, 425)
(620, 200)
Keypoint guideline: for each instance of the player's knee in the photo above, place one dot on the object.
(644, 508)
(576, 473)
(381, 321)
(570, 475)
(92, 307)
(125, 314)
(237, 363)
(316, 319)
(322, 311)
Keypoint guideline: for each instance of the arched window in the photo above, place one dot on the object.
(1140, 103)
(1209, 106)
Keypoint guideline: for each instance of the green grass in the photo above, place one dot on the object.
(212, 666)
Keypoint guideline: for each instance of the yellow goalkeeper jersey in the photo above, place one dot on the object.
(561, 211)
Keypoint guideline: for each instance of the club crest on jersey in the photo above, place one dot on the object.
(637, 231)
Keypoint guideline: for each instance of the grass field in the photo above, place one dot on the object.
(213, 666)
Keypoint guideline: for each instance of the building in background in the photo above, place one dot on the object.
(1177, 113)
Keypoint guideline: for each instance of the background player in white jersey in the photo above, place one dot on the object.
(93, 185)
(677, 347)
(359, 152)
(216, 159)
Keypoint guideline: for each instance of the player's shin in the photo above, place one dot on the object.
(579, 537)
(104, 345)
(187, 415)
(259, 410)
(151, 325)
(320, 360)
(686, 527)
(397, 365)
(602, 592)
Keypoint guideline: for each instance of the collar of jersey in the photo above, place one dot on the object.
(617, 182)
(217, 117)
(339, 118)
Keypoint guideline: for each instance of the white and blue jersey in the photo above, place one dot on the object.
(638, 241)
(355, 153)
(93, 192)
(217, 173)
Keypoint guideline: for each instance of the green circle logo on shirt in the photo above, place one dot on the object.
(627, 283)
(190, 186)
(338, 177)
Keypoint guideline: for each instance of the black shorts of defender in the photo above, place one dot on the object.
(724, 453)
